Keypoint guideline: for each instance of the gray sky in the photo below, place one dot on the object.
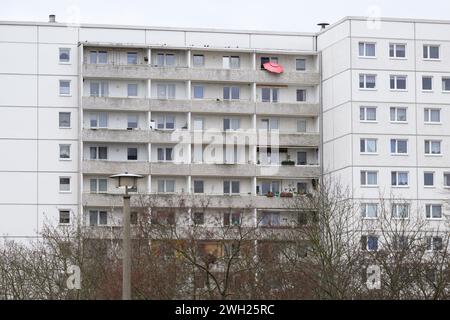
(282, 15)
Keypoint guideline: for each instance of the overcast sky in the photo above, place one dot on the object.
(282, 15)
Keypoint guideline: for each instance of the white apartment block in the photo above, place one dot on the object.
(364, 102)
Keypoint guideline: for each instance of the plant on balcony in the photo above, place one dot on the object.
(288, 161)
(270, 194)
(286, 195)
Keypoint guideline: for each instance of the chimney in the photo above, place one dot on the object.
(52, 18)
(323, 25)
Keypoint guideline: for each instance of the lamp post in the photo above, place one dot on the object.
(126, 180)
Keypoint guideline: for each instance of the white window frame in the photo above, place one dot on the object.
(366, 140)
(366, 113)
(230, 186)
(98, 212)
(70, 184)
(428, 48)
(167, 91)
(97, 116)
(296, 65)
(446, 186)
(364, 210)
(394, 47)
(396, 114)
(164, 181)
(427, 116)
(68, 51)
(59, 216)
(70, 152)
(364, 78)
(397, 175)
(97, 185)
(444, 79)
(366, 173)
(272, 94)
(364, 53)
(434, 181)
(70, 88)
(198, 65)
(97, 56)
(164, 122)
(97, 153)
(429, 211)
(396, 153)
(430, 148)
(430, 243)
(165, 154)
(164, 62)
(226, 62)
(128, 90)
(70, 120)
(432, 83)
(395, 211)
(396, 79)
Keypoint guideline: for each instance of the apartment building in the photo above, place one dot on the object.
(385, 102)
(362, 102)
(100, 100)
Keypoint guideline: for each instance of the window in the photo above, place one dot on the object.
(231, 187)
(428, 179)
(369, 243)
(447, 180)
(198, 60)
(98, 185)
(198, 186)
(368, 145)
(366, 50)
(199, 218)
(131, 57)
(270, 219)
(165, 59)
(399, 146)
(98, 218)
(264, 60)
(98, 57)
(132, 121)
(301, 125)
(64, 119)
(433, 211)
(165, 122)
(446, 84)
(64, 151)
(432, 115)
(368, 114)
(98, 153)
(302, 188)
(302, 158)
(269, 94)
(198, 92)
(231, 124)
(433, 147)
(98, 120)
(400, 211)
(367, 81)
(231, 62)
(232, 219)
(399, 179)
(400, 242)
(64, 55)
(369, 178)
(300, 64)
(64, 184)
(165, 154)
(369, 210)
(199, 124)
(132, 89)
(231, 93)
(99, 89)
(398, 114)
(166, 91)
(301, 95)
(133, 218)
(270, 186)
(427, 83)
(269, 124)
(434, 243)
(166, 186)
(398, 82)
(64, 87)
(431, 52)
(64, 216)
(132, 153)
(397, 50)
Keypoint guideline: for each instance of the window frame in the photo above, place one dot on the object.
(366, 113)
(395, 179)
(69, 61)
(364, 78)
(396, 153)
(395, 213)
(70, 120)
(395, 51)
(430, 148)
(428, 116)
(364, 54)
(70, 153)
(364, 212)
(429, 211)
(428, 52)
(60, 211)
(431, 83)
(424, 179)
(365, 184)
(394, 79)
(69, 94)
(365, 152)
(396, 114)
(69, 184)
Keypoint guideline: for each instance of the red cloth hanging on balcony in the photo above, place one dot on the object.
(273, 67)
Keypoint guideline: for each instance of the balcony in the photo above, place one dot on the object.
(298, 172)
(144, 71)
(288, 109)
(116, 135)
(299, 139)
(170, 169)
(223, 106)
(188, 200)
(111, 167)
(223, 170)
(115, 104)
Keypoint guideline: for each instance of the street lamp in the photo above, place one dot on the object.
(126, 180)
